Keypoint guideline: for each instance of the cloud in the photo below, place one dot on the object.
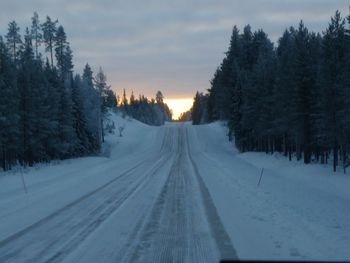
(174, 46)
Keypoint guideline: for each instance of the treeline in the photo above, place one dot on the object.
(293, 99)
(152, 112)
(46, 111)
(199, 110)
(185, 116)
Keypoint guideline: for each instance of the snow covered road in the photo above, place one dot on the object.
(158, 210)
(178, 193)
(174, 223)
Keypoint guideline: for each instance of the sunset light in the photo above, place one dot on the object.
(179, 106)
(174, 131)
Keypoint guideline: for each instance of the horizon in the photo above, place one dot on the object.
(179, 106)
(175, 47)
(184, 139)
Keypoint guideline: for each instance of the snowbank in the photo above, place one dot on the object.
(298, 212)
(54, 185)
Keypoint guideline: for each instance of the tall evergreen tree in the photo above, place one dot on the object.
(9, 110)
(49, 28)
(132, 98)
(125, 102)
(103, 90)
(14, 39)
(36, 33)
(84, 143)
(302, 94)
(61, 46)
(45, 114)
(334, 47)
(91, 107)
(284, 90)
(293, 99)
(198, 110)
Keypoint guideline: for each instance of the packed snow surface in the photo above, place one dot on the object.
(176, 193)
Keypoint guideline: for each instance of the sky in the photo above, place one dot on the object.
(172, 46)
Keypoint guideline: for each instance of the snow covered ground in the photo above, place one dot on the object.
(298, 212)
(174, 193)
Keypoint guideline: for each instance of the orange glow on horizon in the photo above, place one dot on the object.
(179, 106)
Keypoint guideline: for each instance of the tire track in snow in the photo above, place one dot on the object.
(177, 229)
(128, 248)
(223, 241)
(72, 231)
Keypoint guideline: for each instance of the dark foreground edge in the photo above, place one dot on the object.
(283, 261)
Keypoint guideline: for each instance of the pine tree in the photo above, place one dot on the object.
(111, 99)
(29, 83)
(54, 89)
(49, 31)
(235, 122)
(284, 90)
(316, 119)
(61, 46)
(14, 39)
(345, 122)
(67, 134)
(302, 99)
(159, 97)
(334, 46)
(91, 108)
(152, 112)
(44, 113)
(246, 57)
(44, 127)
(9, 110)
(125, 103)
(213, 100)
(88, 75)
(84, 143)
(132, 98)
(36, 33)
(257, 97)
(240, 73)
(197, 109)
(102, 89)
(293, 99)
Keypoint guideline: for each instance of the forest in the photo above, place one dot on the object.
(292, 97)
(46, 110)
(153, 112)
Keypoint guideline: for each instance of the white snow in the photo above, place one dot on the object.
(55, 185)
(298, 212)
